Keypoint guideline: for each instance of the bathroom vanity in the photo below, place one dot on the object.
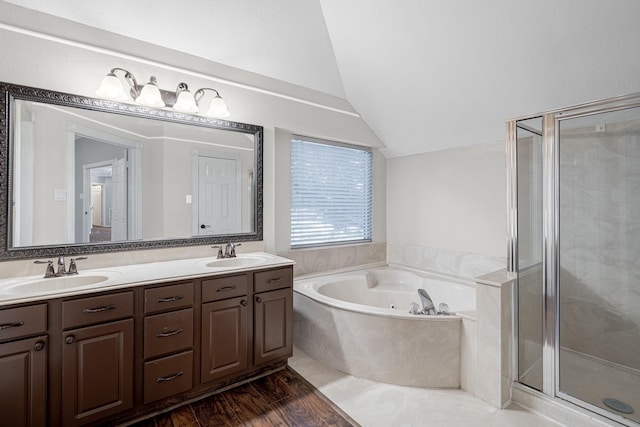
(145, 339)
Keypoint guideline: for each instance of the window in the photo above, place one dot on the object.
(331, 193)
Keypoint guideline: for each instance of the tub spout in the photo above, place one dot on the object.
(427, 303)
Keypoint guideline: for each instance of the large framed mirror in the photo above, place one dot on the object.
(86, 175)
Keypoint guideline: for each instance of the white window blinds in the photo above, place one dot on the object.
(331, 195)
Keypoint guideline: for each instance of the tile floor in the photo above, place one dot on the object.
(374, 404)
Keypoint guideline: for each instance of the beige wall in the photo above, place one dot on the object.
(452, 199)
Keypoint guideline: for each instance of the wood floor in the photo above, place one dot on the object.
(281, 399)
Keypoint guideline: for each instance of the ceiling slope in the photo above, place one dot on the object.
(425, 75)
(282, 39)
(429, 75)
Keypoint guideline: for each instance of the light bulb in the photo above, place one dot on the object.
(218, 108)
(186, 103)
(150, 95)
(111, 88)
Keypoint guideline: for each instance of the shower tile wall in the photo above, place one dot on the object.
(600, 243)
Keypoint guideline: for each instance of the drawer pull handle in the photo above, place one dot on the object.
(99, 309)
(226, 288)
(70, 339)
(277, 279)
(38, 346)
(171, 299)
(11, 325)
(170, 377)
(243, 302)
(169, 334)
(258, 300)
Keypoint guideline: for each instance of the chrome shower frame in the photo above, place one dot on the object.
(551, 121)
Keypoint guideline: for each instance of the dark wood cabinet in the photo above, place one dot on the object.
(272, 317)
(111, 357)
(168, 341)
(97, 372)
(23, 382)
(168, 376)
(225, 344)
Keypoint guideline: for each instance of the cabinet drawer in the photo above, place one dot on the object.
(168, 297)
(168, 332)
(104, 308)
(23, 321)
(225, 287)
(168, 376)
(273, 279)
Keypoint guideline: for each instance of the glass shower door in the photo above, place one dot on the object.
(598, 344)
(530, 273)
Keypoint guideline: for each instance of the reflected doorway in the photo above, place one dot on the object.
(107, 182)
(106, 206)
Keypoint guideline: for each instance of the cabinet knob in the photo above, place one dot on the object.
(258, 300)
(38, 346)
(243, 302)
(70, 339)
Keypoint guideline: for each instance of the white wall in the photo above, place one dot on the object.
(452, 199)
(73, 58)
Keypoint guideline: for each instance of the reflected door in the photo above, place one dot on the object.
(218, 196)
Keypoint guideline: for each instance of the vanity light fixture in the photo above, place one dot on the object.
(150, 95)
(217, 107)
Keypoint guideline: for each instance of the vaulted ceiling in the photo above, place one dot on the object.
(424, 74)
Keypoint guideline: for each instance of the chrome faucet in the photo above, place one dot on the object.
(73, 269)
(219, 248)
(62, 271)
(427, 303)
(230, 250)
(49, 272)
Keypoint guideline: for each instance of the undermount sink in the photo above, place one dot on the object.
(54, 284)
(240, 261)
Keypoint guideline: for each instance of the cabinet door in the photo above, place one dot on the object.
(97, 369)
(272, 333)
(23, 384)
(224, 338)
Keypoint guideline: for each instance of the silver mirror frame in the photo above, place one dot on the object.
(10, 92)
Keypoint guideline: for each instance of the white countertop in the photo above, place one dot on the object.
(35, 288)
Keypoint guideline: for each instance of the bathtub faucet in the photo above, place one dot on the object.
(427, 303)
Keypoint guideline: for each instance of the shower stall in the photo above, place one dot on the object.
(574, 242)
